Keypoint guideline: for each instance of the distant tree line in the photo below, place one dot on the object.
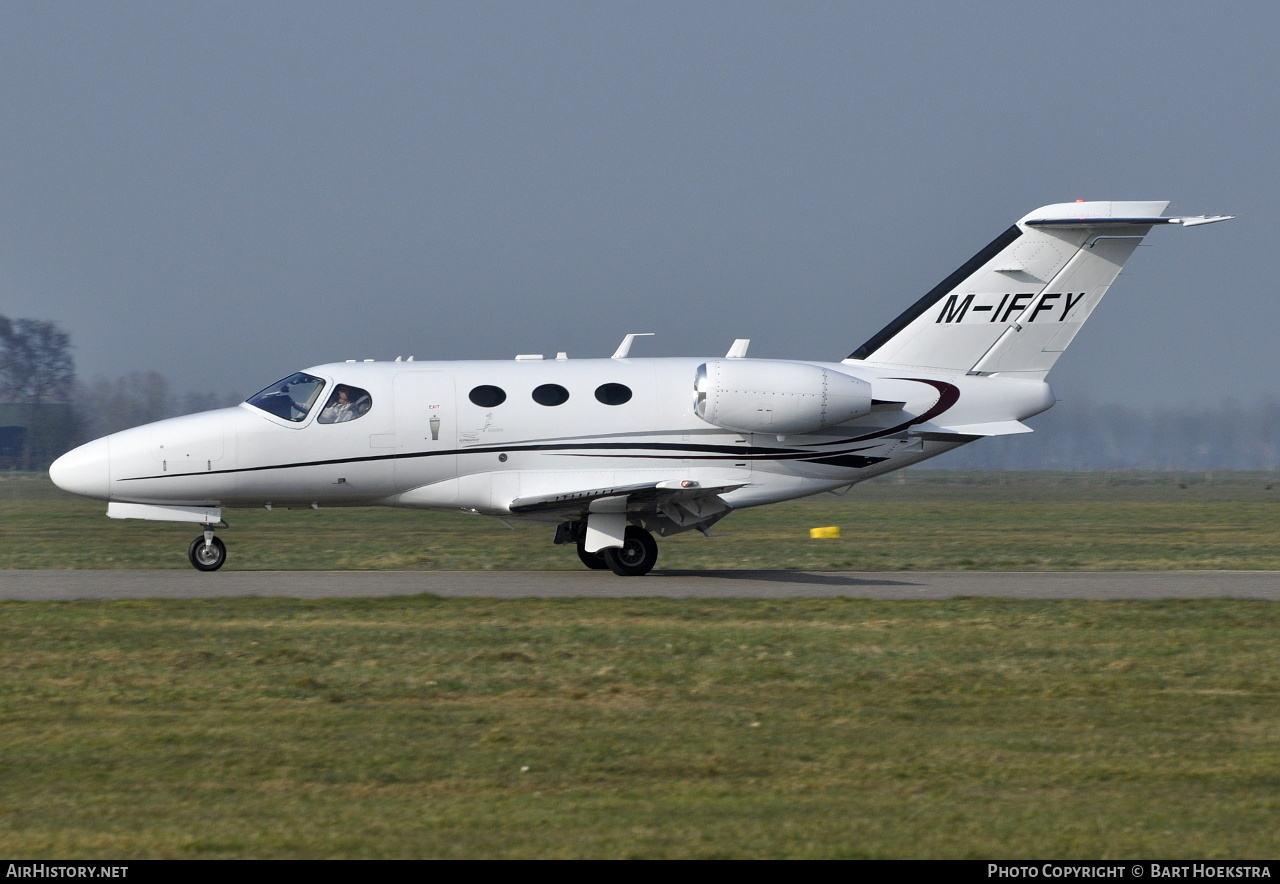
(45, 411)
(37, 374)
(35, 361)
(107, 405)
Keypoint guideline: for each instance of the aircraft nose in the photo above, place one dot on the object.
(85, 470)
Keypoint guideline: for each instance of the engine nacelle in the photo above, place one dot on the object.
(782, 398)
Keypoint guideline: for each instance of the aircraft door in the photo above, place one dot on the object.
(426, 428)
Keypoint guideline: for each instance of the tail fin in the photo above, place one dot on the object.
(1016, 305)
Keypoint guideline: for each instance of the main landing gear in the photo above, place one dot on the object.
(636, 557)
(595, 561)
(207, 552)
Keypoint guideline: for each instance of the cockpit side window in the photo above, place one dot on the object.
(290, 398)
(346, 404)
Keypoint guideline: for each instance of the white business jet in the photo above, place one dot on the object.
(615, 450)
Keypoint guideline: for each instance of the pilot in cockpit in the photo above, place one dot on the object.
(346, 404)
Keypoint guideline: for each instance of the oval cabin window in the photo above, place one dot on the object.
(550, 394)
(488, 396)
(613, 394)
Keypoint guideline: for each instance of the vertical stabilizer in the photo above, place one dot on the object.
(1016, 305)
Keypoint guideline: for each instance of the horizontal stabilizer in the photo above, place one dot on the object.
(971, 431)
(1127, 222)
(887, 405)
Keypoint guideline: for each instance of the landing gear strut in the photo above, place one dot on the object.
(207, 553)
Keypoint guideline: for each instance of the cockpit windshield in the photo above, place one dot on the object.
(290, 398)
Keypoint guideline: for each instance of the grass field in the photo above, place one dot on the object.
(426, 727)
(934, 520)
(422, 727)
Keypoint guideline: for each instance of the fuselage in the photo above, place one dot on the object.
(478, 435)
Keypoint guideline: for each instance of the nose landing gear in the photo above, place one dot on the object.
(207, 552)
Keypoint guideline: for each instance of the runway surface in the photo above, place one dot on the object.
(64, 585)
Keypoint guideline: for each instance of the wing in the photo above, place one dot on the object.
(667, 506)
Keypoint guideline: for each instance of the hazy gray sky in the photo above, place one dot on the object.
(227, 192)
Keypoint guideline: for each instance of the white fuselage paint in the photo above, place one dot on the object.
(424, 444)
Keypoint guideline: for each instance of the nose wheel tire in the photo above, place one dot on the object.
(637, 555)
(209, 557)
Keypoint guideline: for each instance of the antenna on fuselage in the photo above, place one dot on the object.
(625, 347)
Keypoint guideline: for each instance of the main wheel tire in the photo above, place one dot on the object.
(637, 555)
(595, 561)
(207, 558)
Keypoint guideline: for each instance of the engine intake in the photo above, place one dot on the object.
(782, 398)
